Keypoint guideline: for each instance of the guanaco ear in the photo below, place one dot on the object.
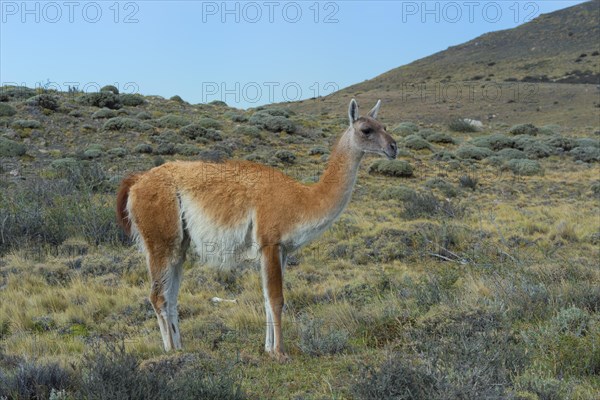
(375, 110)
(353, 111)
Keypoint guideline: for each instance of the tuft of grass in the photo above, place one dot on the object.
(473, 153)
(416, 142)
(132, 100)
(6, 110)
(461, 125)
(405, 129)
(315, 340)
(26, 124)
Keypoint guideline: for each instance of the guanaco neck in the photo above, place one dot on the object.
(334, 189)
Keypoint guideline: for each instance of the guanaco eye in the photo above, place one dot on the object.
(367, 131)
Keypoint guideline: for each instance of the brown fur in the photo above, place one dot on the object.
(122, 196)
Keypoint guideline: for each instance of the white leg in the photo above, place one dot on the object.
(170, 313)
(270, 334)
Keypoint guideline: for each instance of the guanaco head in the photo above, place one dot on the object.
(369, 134)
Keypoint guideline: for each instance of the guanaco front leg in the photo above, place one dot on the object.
(272, 279)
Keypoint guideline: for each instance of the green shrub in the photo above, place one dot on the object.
(511, 154)
(424, 205)
(144, 115)
(405, 129)
(560, 142)
(426, 133)
(248, 130)
(101, 99)
(91, 153)
(132, 100)
(10, 148)
(36, 381)
(285, 156)
(440, 138)
(443, 155)
(110, 88)
(587, 142)
(572, 320)
(171, 121)
(236, 117)
(396, 168)
(126, 124)
(524, 129)
(197, 131)
(440, 184)
(416, 142)
(277, 111)
(7, 110)
(496, 141)
(218, 103)
(316, 341)
(26, 124)
(186, 149)
(596, 188)
(46, 101)
(118, 152)
(165, 149)
(396, 193)
(473, 153)
(524, 167)
(143, 148)
(167, 137)
(532, 147)
(548, 130)
(177, 99)
(209, 123)
(468, 181)
(586, 154)
(461, 125)
(318, 150)
(104, 113)
(397, 378)
(279, 124)
(15, 93)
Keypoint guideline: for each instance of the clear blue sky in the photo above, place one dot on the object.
(246, 53)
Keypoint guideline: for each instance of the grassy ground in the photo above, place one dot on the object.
(470, 273)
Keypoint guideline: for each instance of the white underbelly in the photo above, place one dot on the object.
(216, 245)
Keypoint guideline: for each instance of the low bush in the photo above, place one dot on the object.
(285, 156)
(209, 123)
(248, 130)
(560, 142)
(416, 142)
(143, 148)
(171, 121)
(46, 101)
(177, 99)
(186, 149)
(279, 124)
(399, 193)
(511, 154)
(109, 88)
(495, 141)
(405, 129)
(315, 340)
(197, 131)
(132, 100)
(144, 115)
(424, 205)
(467, 181)
(126, 124)
(461, 125)
(26, 124)
(524, 167)
(101, 99)
(587, 142)
(440, 137)
(36, 381)
(473, 153)
(118, 152)
(524, 129)
(395, 168)
(318, 150)
(585, 154)
(6, 110)
(447, 189)
(104, 113)
(10, 148)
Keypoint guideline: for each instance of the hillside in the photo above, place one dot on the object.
(544, 70)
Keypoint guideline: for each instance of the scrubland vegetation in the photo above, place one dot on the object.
(468, 268)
